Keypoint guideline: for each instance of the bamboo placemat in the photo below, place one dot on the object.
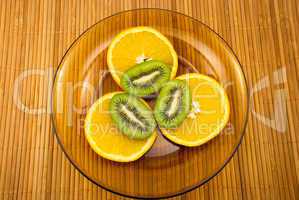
(35, 35)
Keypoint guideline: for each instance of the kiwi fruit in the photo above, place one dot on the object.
(146, 78)
(132, 116)
(173, 104)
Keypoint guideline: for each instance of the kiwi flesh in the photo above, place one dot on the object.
(132, 116)
(173, 104)
(146, 78)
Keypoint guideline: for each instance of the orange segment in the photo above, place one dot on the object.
(133, 45)
(209, 114)
(105, 139)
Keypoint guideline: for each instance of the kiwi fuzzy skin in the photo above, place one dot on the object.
(138, 70)
(162, 103)
(140, 108)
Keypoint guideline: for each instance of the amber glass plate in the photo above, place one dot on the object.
(167, 169)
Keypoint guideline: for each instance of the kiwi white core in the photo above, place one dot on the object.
(143, 79)
(131, 115)
(175, 103)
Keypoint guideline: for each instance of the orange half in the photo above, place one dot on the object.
(135, 45)
(106, 140)
(209, 113)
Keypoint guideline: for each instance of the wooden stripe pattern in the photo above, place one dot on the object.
(35, 35)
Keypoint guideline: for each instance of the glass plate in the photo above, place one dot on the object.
(167, 169)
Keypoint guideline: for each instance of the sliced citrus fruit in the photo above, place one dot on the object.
(106, 140)
(135, 45)
(209, 113)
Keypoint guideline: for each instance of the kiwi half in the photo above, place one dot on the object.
(132, 116)
(173, 104)
(145, 78)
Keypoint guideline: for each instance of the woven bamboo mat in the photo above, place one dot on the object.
(35, 34)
